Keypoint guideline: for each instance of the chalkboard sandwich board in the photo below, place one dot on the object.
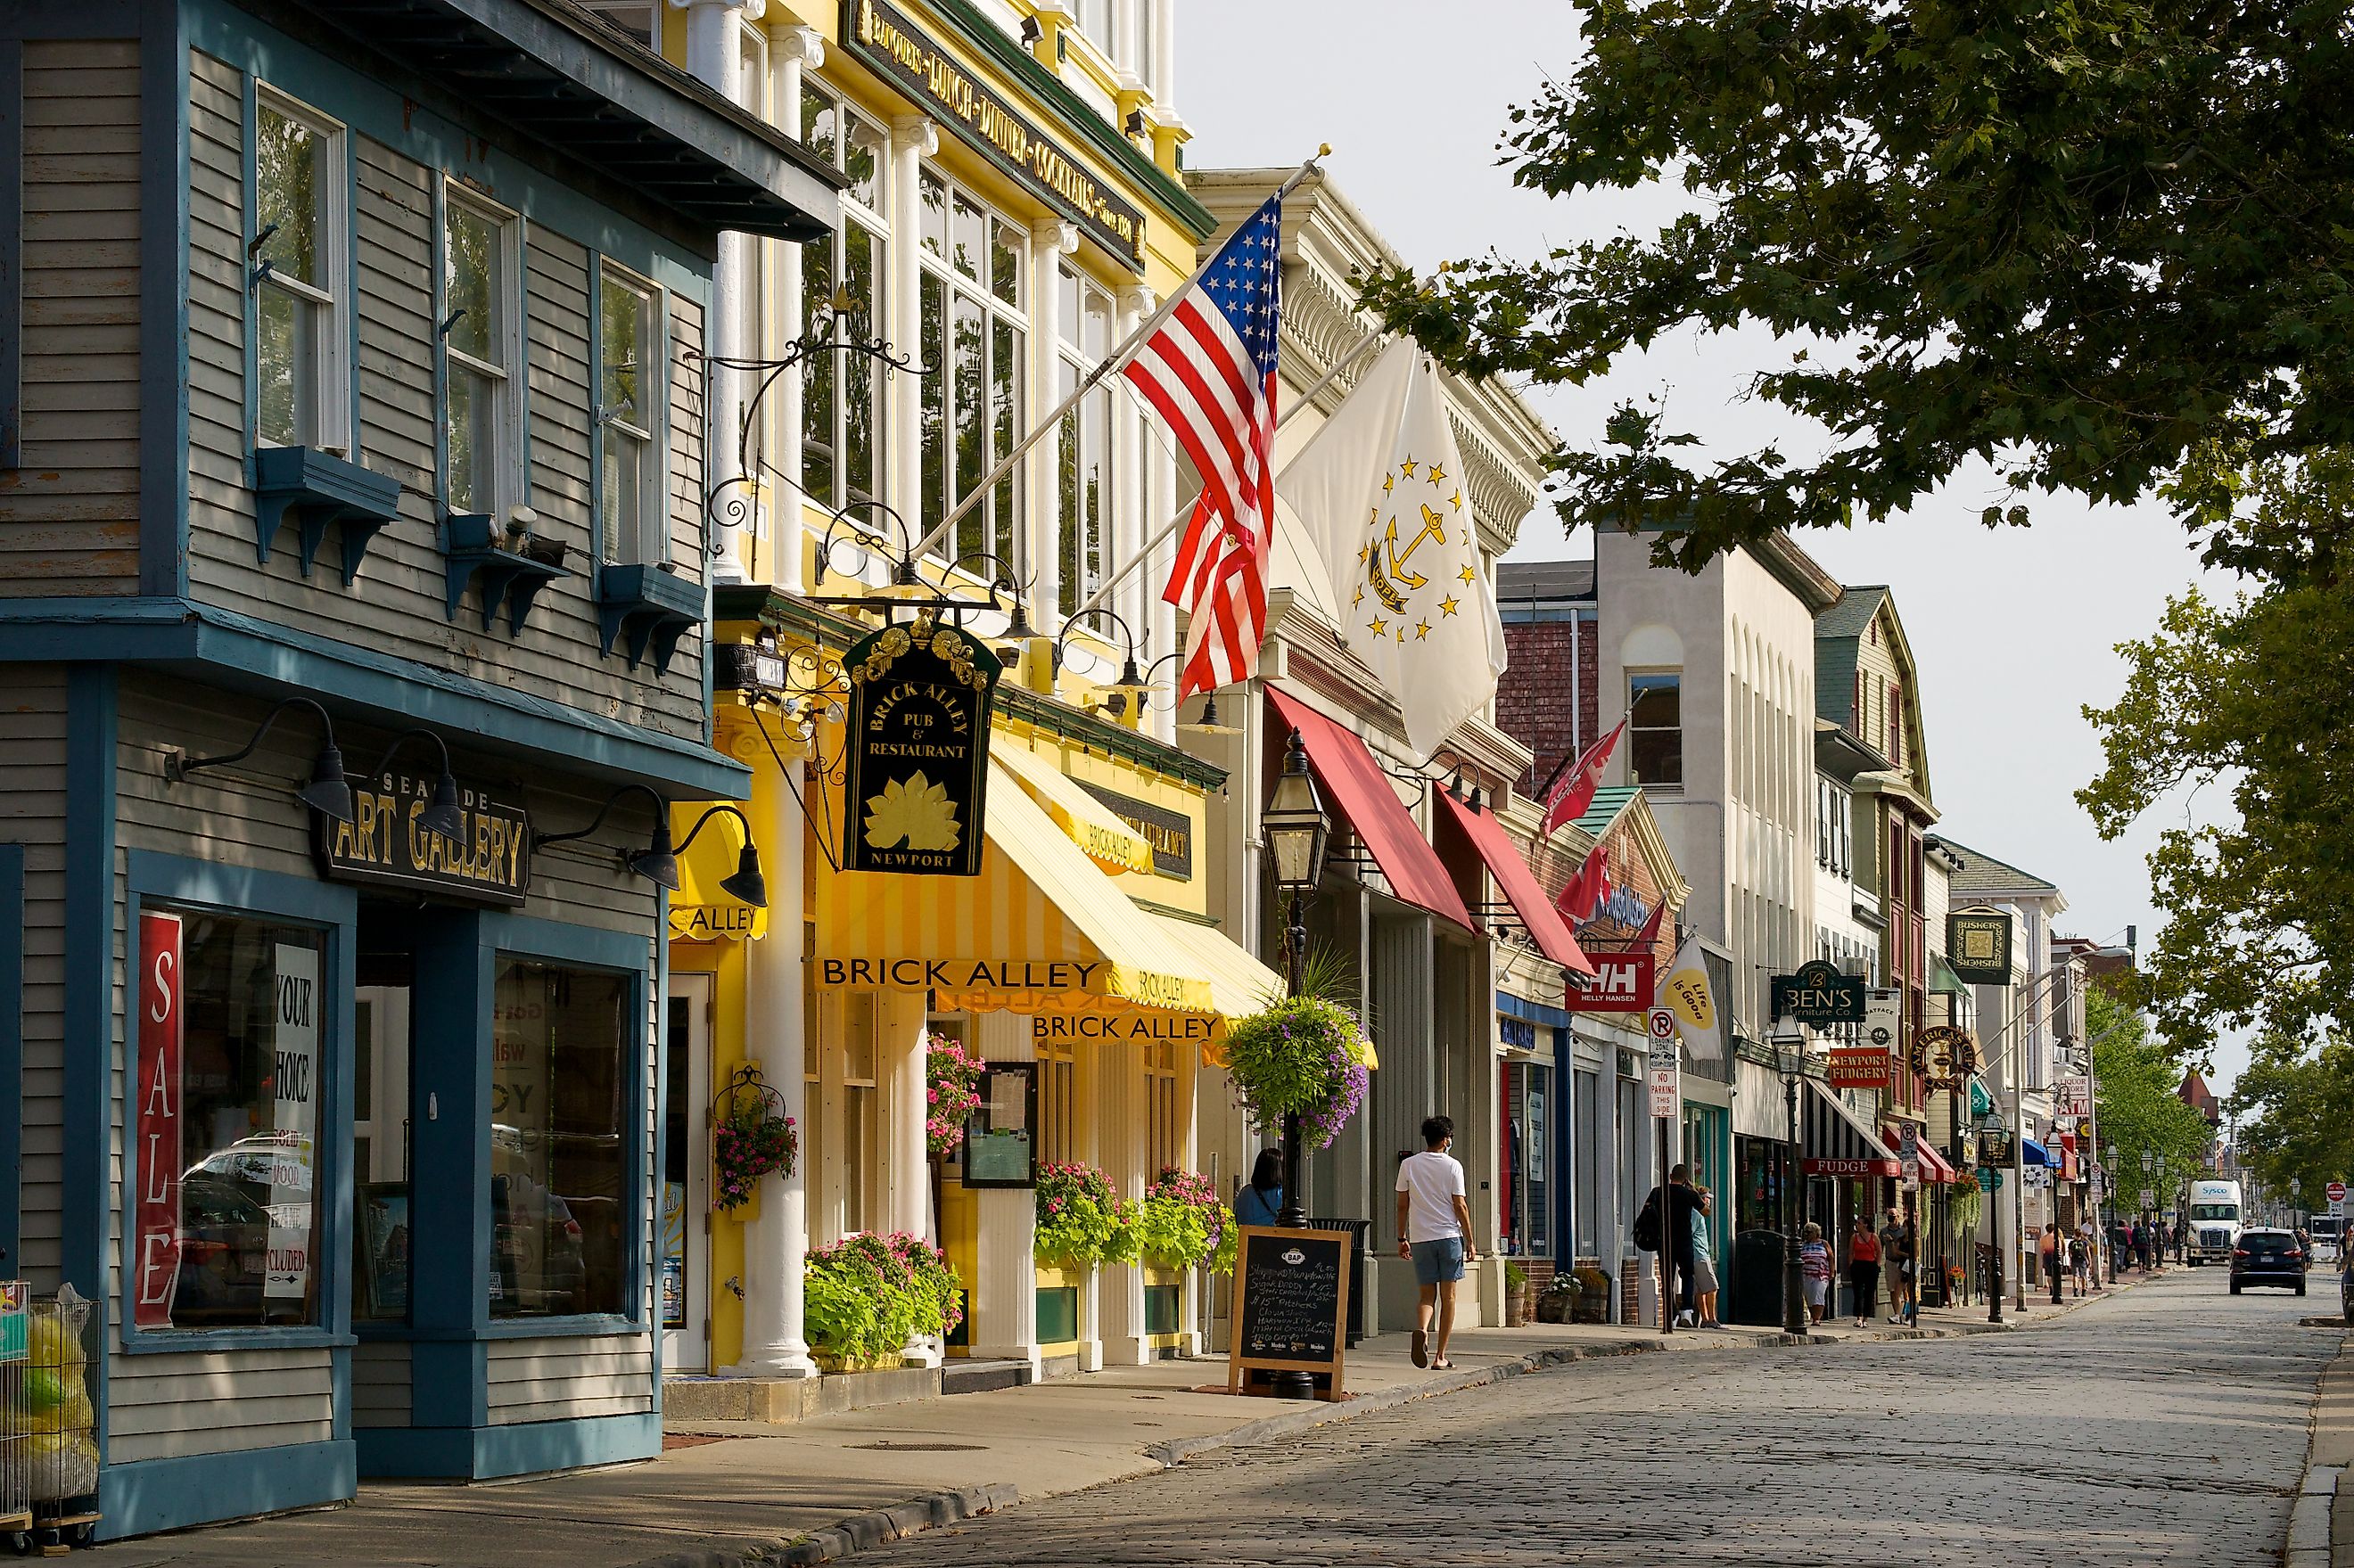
(1292, 1306)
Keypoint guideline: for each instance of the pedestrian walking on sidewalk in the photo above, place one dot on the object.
(1896, 1253)
(2047, 1248)
(1814, 1270)
(1434, 1233)
(1667, 1217)
(1259, 1203)
(2079, 1257)
(1703, 1262)
(1862, 1269)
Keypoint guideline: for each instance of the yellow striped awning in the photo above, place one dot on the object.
(1090, 824)
(1040, 928)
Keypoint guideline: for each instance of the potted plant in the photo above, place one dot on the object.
(866, 1295)
(1081, 1220)
(751, 1137)
(1516, 1295)
(1299, 1055)
(1179, 1222)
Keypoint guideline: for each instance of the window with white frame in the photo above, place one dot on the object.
(482, 390)
(632, 522)
(1083, 465)
(974, 332)
(843, 401)
(303, 389)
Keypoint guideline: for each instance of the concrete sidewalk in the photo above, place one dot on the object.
(733, 1492)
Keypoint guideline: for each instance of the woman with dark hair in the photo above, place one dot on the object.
(1259, 1203)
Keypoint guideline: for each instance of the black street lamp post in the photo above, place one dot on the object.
(1296, 831)
(1791, 1055)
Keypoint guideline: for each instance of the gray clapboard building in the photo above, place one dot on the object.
(352, 542)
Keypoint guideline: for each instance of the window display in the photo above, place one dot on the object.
(558, 1153)
(231, 1037)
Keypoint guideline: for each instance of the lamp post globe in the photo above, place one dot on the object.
(1790, 1057)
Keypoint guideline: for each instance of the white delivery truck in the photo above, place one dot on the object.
(2214, 1221)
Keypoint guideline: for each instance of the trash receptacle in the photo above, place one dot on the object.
(1754, 1294)
(1356, 1229)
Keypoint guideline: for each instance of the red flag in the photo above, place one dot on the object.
(1589, 887)
(1574, 791)
(1650, 935)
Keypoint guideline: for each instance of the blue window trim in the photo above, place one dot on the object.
(180, 882)
(346, 300)
(12, 1056)
(163, 301)
(626, 954)
(86, 1203)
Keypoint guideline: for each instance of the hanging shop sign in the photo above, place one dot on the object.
(1944, 1056)
(1861, 1067)
(1819, 995)
(916, 759)
(386, 845)
(1169, 834)
(882, 37)
(1977, 946)
(155, 1240)
(2073, 1094)
(1622, 982)
(1884, 1018)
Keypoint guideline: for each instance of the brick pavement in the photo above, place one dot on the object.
(2165, 1426)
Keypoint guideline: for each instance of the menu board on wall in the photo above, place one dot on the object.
(294, 1085)
(1291, 1304)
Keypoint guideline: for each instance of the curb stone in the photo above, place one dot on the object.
(856, 1533)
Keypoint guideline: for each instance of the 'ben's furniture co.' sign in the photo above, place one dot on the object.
(884, 38)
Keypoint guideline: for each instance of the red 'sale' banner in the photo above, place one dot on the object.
(157, 1219)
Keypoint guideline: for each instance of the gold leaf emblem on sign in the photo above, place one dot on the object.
(912, 813)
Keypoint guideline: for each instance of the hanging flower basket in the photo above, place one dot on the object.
(1300, 1054)
(751, 1137)
(951, 1093)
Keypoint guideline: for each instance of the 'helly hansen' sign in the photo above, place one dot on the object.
(1622, 983)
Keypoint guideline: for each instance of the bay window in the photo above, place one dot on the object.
(300, 377)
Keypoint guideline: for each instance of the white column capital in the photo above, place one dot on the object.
(799, 44)
(1138, 299)
(919, 134)
(1057, 235)
(753, 9)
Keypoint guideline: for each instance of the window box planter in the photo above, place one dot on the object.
(647, 609)
(509, 577)
(318, 490)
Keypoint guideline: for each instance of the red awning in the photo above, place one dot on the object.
(1362, 791)
(1933, 1168)
(1553, 934)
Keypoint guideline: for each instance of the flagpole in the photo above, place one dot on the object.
(1145, 552)
(1119, 357)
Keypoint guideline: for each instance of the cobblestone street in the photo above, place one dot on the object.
(2167, 1425)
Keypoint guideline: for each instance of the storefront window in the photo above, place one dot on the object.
(841, 421)
(559, 1154)
(1084, 456)
(861, 1154)
(381, 1136)
(974, 331)
(231, 1041)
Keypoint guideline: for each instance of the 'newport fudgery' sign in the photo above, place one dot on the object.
(917, 762)
(882, 35)
(386, 844)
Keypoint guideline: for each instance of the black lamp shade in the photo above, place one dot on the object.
(327, 792)
(1207, 723)
(1294, 824)
(746, 885)
(443, 818)
(656, 863)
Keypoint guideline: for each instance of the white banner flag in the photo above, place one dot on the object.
(1378, 495)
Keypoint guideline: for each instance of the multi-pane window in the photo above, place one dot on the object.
(1655, 733)
(481, 391)
(841, 409)
(1083, 465)
(301, 390)
(1164, 1144)
(630, 524)
(1834, 841)
(973, 335)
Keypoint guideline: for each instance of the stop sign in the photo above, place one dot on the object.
(2336, 1192)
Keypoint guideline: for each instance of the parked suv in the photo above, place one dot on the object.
(2267, 1257)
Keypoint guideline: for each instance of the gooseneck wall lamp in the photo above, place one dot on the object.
(441, 817)
(658, 861)
(328, 792)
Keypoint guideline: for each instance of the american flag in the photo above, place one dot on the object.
(1210, 370)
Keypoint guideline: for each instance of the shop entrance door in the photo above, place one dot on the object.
(685, 1250)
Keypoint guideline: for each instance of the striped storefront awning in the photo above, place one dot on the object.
(1836, 1140)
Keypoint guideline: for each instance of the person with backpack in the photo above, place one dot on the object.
(1862, 1268)
(1668, 1211)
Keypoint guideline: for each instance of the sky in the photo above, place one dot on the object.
(2014, 630)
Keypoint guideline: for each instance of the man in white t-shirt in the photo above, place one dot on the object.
(1435, 1232)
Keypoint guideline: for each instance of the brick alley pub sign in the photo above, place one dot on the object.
(385, 844)
(1819, 995)
(916, 759)
(882, 35)
(1170, 834)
